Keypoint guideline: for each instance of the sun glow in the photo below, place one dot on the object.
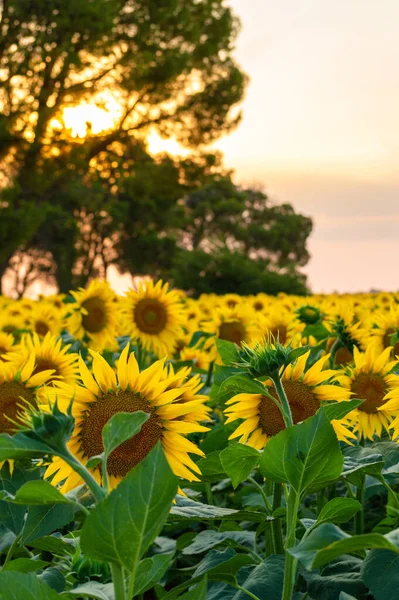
(89, 118)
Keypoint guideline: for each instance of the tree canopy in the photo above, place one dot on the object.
(70, 206)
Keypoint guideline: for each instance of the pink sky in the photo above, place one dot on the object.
(320, 129)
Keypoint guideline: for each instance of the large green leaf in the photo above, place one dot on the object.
(328, 542)
(223, 565)
(306, 455)
(12, 515)
(25, 565)
(92, 589)
(339, 410)
(352, 544)
(239, 384)
(265, 581)
(39, 492)
(381, 573)
(197, 592)
(21, 446)
(339, 510)
(359, 461)
(120, 428)
(57, 545)
(42, 520)
(122, 526)
(151, 570)
(208, 539)
(238, 461)
(24, 586)
(196, 511)
(228, 352)
(319, 538)
(339, 577)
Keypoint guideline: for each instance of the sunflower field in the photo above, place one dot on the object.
(156, 446)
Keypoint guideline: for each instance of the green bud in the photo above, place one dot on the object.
(309, 315)
(264, 360)
(53, 428)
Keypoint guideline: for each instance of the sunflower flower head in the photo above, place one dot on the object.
(105, 393)
(305, 390)
(370, 379)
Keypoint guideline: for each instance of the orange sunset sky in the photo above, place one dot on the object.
(320, 129)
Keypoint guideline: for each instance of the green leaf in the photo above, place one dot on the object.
(39, 492)
(319, 538)
(338, 577)
(150, 571)
(265, 581)
(21, 446)
(390, 453)
(58, 546)
(223, 565)
(121, 527)
(353, 544)
(228, 352)
(360, 461)
(339, 510)
(185, 508)
(12, 515)
(211, 467)
(42, 520)
(24, 565)
(328, 542)
(339, 410)
(54, 579)
(238, 461)
(24, 586)
(306, 455)
(239, 384)
(93, 589)
(120, 428)
(198, 592)
(209, 539)
(381, 573)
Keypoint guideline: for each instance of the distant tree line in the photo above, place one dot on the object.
(71, 207)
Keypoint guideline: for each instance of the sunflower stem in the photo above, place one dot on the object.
(268, 506)
(118, 581)
(359, 516)
(11, 550)
(335, 347)
(98, 492)
(277, 531)
(210, 373)
(293, 501)
(285, 406)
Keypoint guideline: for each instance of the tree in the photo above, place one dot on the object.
(240, 241)
(166, 64)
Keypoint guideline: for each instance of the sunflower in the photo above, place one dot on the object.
(386, 330)
(370, 380)
(305, 391)
(154, 315)
(236, 325)
(18, 391)
(44, 319)
(341, 321)
(104, 394)
(94, 315)
(6, 344)
(280, 324)
(49, 355)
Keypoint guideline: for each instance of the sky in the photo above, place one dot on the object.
(320, 129)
